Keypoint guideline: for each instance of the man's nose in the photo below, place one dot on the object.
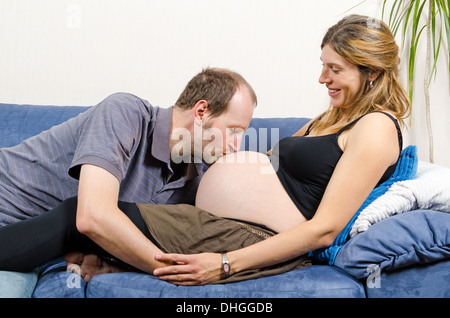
(235, 144)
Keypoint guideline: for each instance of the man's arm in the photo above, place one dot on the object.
(99, 218)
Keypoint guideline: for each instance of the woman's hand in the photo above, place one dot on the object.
(189, 270)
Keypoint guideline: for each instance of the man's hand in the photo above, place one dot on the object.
(190, 270)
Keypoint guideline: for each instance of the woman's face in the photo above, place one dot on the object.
(343, 79)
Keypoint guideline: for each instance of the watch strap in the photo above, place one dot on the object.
(226, 267)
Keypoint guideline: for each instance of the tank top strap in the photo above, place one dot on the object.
(309, 129)
(350, 125)
(399, 131)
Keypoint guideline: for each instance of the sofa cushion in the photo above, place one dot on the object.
(313, 281)
(416, 237)
(420, 281)
(56, 282)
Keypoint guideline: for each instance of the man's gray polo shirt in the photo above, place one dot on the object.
(123, 134)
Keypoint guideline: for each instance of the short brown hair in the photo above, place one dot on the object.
(216, 86)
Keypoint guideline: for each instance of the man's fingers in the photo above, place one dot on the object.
(174, 258)
(169, 270)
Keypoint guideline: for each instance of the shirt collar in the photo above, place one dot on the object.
(161, 134)
(161, 142)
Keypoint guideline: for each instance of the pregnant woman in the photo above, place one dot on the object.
(258, 215)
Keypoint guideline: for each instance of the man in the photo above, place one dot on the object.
(125, 149)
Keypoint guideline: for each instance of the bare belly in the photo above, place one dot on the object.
(245, 186)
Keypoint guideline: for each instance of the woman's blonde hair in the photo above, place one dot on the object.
(369, 44)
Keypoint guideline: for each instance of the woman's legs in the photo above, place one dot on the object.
(28, 244)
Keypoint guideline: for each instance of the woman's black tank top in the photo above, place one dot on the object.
(305, 165)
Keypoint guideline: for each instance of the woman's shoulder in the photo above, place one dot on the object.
(371, 123)
(377, 130)
(378, 120)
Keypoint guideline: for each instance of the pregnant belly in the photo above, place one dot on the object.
(245, 186)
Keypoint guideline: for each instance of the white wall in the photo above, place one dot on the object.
(76, 52)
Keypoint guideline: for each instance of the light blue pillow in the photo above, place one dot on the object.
(416, 237)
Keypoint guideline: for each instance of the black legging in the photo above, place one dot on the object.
(28, 244)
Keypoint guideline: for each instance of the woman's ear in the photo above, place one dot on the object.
(373, 74)
(200, 111)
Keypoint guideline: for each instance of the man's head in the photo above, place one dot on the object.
(216, 108)
(217, 87)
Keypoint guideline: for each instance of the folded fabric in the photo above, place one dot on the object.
(429, 190)
(406, 170)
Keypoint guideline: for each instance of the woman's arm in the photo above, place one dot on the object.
(369, 149)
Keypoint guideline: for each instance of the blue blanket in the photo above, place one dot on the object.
(406, 170)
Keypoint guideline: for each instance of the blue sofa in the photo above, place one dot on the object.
(407, 255)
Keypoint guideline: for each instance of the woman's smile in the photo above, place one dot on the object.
(333, 92)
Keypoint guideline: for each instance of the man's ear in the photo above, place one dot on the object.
(200, 110)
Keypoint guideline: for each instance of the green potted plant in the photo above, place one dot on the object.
(413, 18)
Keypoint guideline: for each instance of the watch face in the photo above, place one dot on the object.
(226, 267)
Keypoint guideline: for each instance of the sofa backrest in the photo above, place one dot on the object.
(19, 122)
(263, 133)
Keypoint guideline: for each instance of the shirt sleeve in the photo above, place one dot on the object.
(111, 134)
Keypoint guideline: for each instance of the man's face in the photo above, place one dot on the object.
(222, 135)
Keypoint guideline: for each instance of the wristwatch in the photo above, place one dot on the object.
(226, 267)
